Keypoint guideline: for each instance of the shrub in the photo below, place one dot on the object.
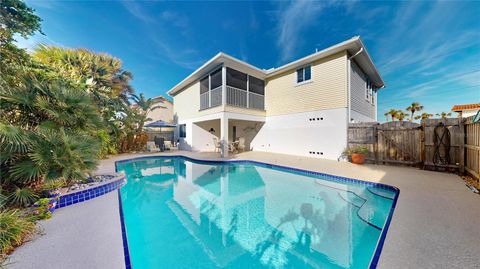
(106, 145)
(14, 230)
(43, 211)
(356, 150)
(22, 197)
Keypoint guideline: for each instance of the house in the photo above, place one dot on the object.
(301, 108)
(465, 111)
(165, 113)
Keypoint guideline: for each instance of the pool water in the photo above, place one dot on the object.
(181, 213)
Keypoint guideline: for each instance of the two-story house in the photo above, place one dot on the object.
(301, 108)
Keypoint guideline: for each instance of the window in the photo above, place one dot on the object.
(368, 90)
(304, 74)
(256, 85)
(236, 79)
(183, 130)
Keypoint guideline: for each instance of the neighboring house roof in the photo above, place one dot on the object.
(459, 108)
(162, 98)
(159, 98)
(352, 45)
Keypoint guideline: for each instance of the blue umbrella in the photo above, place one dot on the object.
(160, 124)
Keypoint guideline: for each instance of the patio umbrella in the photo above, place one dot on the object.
(160, 124)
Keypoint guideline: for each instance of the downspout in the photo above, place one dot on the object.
(349, 68)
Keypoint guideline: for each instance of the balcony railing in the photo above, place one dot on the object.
(205, 100)
(216, 96)
(242, 98)
(211, 98)
(256, 101)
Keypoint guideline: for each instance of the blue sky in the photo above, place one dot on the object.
(426, 51)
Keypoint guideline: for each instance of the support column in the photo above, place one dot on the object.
(224, 136)
(209, 91)
(224, 85)
(248, 91)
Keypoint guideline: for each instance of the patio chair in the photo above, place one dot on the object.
(241, 144)
(217, 144)
(233, 147)
(168, 145)
(160, 142)
(151, 147)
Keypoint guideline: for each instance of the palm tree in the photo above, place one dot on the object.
(102, 73)
(386, 115)
(401, 115)
(415, 106)
(444, 115)
(393, 113)
(424, 116)
(47, 132)
(142, 107)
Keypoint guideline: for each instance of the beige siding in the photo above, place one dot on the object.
(187, 104)
(357, 88)
(165, 114)
(327, 90)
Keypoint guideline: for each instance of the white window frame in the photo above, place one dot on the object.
(303, 71)
(368, 90)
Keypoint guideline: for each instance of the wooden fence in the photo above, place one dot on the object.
(472, 148)
(437, 144)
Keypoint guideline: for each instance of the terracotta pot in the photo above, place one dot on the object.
(358, 158)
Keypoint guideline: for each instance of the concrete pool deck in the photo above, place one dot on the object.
(436, 223)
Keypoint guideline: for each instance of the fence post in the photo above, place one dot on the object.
(462, 157)
(422, 142)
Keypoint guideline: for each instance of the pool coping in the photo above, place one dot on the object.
(381, 240)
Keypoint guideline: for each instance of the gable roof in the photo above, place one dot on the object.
(352, 46)
(458, 108)
(161, 98)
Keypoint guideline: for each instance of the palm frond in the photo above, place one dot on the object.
(22, 197)
(26, 171)
(13, 138)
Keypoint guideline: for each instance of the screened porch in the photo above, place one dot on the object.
(231, 87)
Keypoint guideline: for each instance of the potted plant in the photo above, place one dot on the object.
(357, 154)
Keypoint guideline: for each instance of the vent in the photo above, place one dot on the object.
(315, 119)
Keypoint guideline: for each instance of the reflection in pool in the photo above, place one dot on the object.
(188, 214)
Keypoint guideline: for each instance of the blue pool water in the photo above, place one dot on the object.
(181, 213)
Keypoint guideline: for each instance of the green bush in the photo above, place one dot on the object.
(22, 197)
(356, 150)
(43, 209)
(106, 145)
(14, 230)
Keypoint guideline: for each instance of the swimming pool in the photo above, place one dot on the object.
(184, 213)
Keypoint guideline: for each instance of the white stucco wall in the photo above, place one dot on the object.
(198, 138)
(296, 134)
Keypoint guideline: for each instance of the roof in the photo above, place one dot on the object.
(458, 108)
(162, 98)
(352, 46)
